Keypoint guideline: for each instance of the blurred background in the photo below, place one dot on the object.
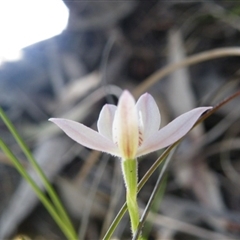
(67, 59)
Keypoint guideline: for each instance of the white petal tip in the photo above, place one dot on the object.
(55, 120)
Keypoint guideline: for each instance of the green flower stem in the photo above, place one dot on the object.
(141, 183)
(65, 229)
(129, 168)
(61, 211)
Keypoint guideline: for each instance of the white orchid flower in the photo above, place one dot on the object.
(130, 130)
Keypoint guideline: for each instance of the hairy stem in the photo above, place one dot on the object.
(129, 168)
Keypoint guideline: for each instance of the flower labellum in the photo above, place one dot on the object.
(130, 129)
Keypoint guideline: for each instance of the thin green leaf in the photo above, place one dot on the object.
(61, 211)
(47, 204)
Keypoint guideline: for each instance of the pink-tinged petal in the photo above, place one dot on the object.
(172, 132)
(125, 126)
(86, 136)
(105, 120)
(149, 115)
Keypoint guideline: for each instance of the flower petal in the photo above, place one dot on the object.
(105, 120)
(149, 115)
(86, 136)
(125, 126)
(172, 132)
